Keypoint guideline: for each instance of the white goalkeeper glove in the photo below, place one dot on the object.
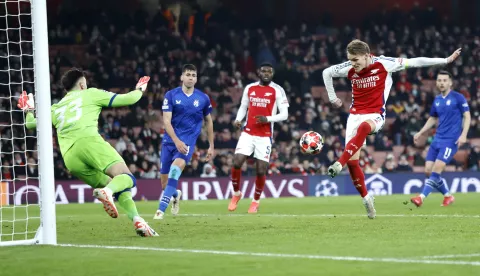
(26, 102)
(142, 83)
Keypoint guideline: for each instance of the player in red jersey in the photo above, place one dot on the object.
(371, 79)
(262, 100)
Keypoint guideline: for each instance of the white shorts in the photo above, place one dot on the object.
(354, 121)
(261, 147)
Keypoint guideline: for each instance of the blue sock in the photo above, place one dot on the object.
(427, 189)
(441, 185)
(175, 195)
(432, 182)
(435, 177)
(171, 188)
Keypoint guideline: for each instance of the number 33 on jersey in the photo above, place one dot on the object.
(76, 115)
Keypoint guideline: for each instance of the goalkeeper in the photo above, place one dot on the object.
(86, 154)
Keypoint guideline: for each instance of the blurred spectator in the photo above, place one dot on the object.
(32, 168)
(403, 165)
(208, 171)
(389, 164)
(473, 161)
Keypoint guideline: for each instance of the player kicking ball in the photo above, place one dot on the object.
(371, 79)
(262, 99)
(85, 153)
(184, 109)
(448, 111)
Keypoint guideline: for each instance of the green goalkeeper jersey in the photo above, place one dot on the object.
(76, 115)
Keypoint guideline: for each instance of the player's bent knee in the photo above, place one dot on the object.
(117, 169)
(367, 126)
(134, 180)
(117, 195)
(439, 166)
(180, 163)
(238, 161)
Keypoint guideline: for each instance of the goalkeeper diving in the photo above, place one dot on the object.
(85, 153)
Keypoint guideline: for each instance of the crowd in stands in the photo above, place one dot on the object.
(115, 52)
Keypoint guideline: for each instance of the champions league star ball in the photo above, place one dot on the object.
(311, 143)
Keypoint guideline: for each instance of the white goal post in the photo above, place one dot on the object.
(14, 38)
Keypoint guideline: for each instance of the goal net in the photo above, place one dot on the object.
(27, 210)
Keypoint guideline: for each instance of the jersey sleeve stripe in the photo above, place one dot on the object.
(111, 100)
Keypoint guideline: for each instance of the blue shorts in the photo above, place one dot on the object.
(443, 151)
(170, 153)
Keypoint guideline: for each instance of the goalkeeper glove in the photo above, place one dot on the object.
(142, 83)
(26, 102)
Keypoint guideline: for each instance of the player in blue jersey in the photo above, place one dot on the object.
(450, 110)
(184, 109)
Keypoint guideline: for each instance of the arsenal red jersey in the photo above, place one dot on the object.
(264, 101)
(371, 86)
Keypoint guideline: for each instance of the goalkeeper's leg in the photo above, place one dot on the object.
(92, 161)
(122, 181)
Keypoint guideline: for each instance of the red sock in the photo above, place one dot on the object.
(356, 143)
(259, 184)
(236, 174)
(357, 176)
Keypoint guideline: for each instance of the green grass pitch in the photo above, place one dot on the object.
(289, 236)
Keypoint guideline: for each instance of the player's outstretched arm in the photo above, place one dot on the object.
(129, 98)
(335, 71)
(110, 99)
(426, 62)
(398, 64)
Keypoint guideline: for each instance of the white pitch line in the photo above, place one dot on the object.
(446, 216)
(275, 255)
(452, 256)
(327, 215)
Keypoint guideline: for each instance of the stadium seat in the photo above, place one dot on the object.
(418, 169)
(398, 150)
(379, 157)
(450, 168)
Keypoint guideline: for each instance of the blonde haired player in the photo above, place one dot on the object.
(371, 79)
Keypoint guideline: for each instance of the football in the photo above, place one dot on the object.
(311, 142)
